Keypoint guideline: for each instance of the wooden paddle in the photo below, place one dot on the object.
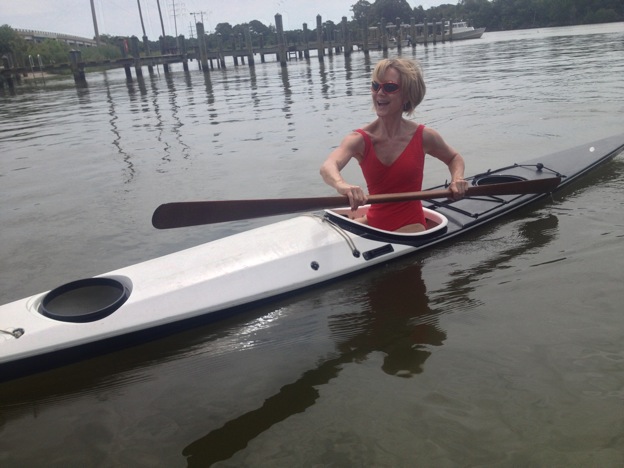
(194, 213)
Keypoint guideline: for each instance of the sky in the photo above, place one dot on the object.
(121, 17)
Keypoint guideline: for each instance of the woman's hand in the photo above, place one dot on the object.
(355, 193)
(458, 188)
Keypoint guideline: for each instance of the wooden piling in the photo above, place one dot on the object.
(365, 45)
(234, 56)
(6, 64)
(77, 67)
(163, 51)
(384, 35)
(150, 67)
(346, 40)
(306, 45)
(261, 39)
(182, 52)
(221, 58)
(201, 40)
(281, 43)
(320, 49)
(250, 55)
(134, 48)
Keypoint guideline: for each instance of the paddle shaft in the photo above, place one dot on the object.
(194, 213)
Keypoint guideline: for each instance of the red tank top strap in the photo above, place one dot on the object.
(368, 143)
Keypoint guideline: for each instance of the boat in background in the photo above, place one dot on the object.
(167, 294)
(460, 31)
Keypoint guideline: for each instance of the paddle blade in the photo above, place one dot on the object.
(195, 213)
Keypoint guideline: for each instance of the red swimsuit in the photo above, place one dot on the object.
(403, 175)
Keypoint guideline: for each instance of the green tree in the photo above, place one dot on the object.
(362, 13)
(258, 27)
(13, 46)
(390, 10)
(99, 54)
(51, 51)
(478, 12)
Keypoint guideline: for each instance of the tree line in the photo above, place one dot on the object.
(494, 15)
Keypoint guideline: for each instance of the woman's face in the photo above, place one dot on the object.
(387, 101)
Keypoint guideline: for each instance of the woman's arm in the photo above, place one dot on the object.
(350, 147)
(435, 145)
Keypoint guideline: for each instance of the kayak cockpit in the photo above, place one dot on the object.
(85, 300)
(345, 218)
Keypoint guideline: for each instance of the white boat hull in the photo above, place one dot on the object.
(216, 276)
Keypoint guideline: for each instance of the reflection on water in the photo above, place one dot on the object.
(127, 158)
(396, 319)
(390, 305)
(177, 123)
(530, 236)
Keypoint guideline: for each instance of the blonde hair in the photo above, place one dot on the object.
(411, 80)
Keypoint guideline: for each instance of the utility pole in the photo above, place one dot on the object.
(174, 13)
(201, 14)
(141, 16)
(97, 34)
(162, 25)
(145, 40)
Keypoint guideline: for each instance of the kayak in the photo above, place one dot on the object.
(207, 282)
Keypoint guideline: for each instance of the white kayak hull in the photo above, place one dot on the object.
(213, 277)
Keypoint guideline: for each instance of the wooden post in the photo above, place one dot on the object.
(182, 52)
(201, 40)
(220, 49)
(250, 54)
(365, 45)
(234, 49)
(281, 43)
(150, 67)
(320, 49)
(346, 40)
(306, 44)
(6, 64)
(163, 51)
(77, 67)
(384, 36)
(134, 47)
(425, 32)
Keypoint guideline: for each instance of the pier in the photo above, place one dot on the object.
(384, 36)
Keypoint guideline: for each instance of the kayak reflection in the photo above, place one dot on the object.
(395, 299)
(400, 320)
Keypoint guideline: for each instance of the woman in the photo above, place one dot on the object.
(391, 150)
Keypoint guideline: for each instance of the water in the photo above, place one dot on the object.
(502, 349)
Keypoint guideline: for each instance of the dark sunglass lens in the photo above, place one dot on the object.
(390, 87)
(375, 86)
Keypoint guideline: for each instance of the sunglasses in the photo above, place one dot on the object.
(389, 87)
